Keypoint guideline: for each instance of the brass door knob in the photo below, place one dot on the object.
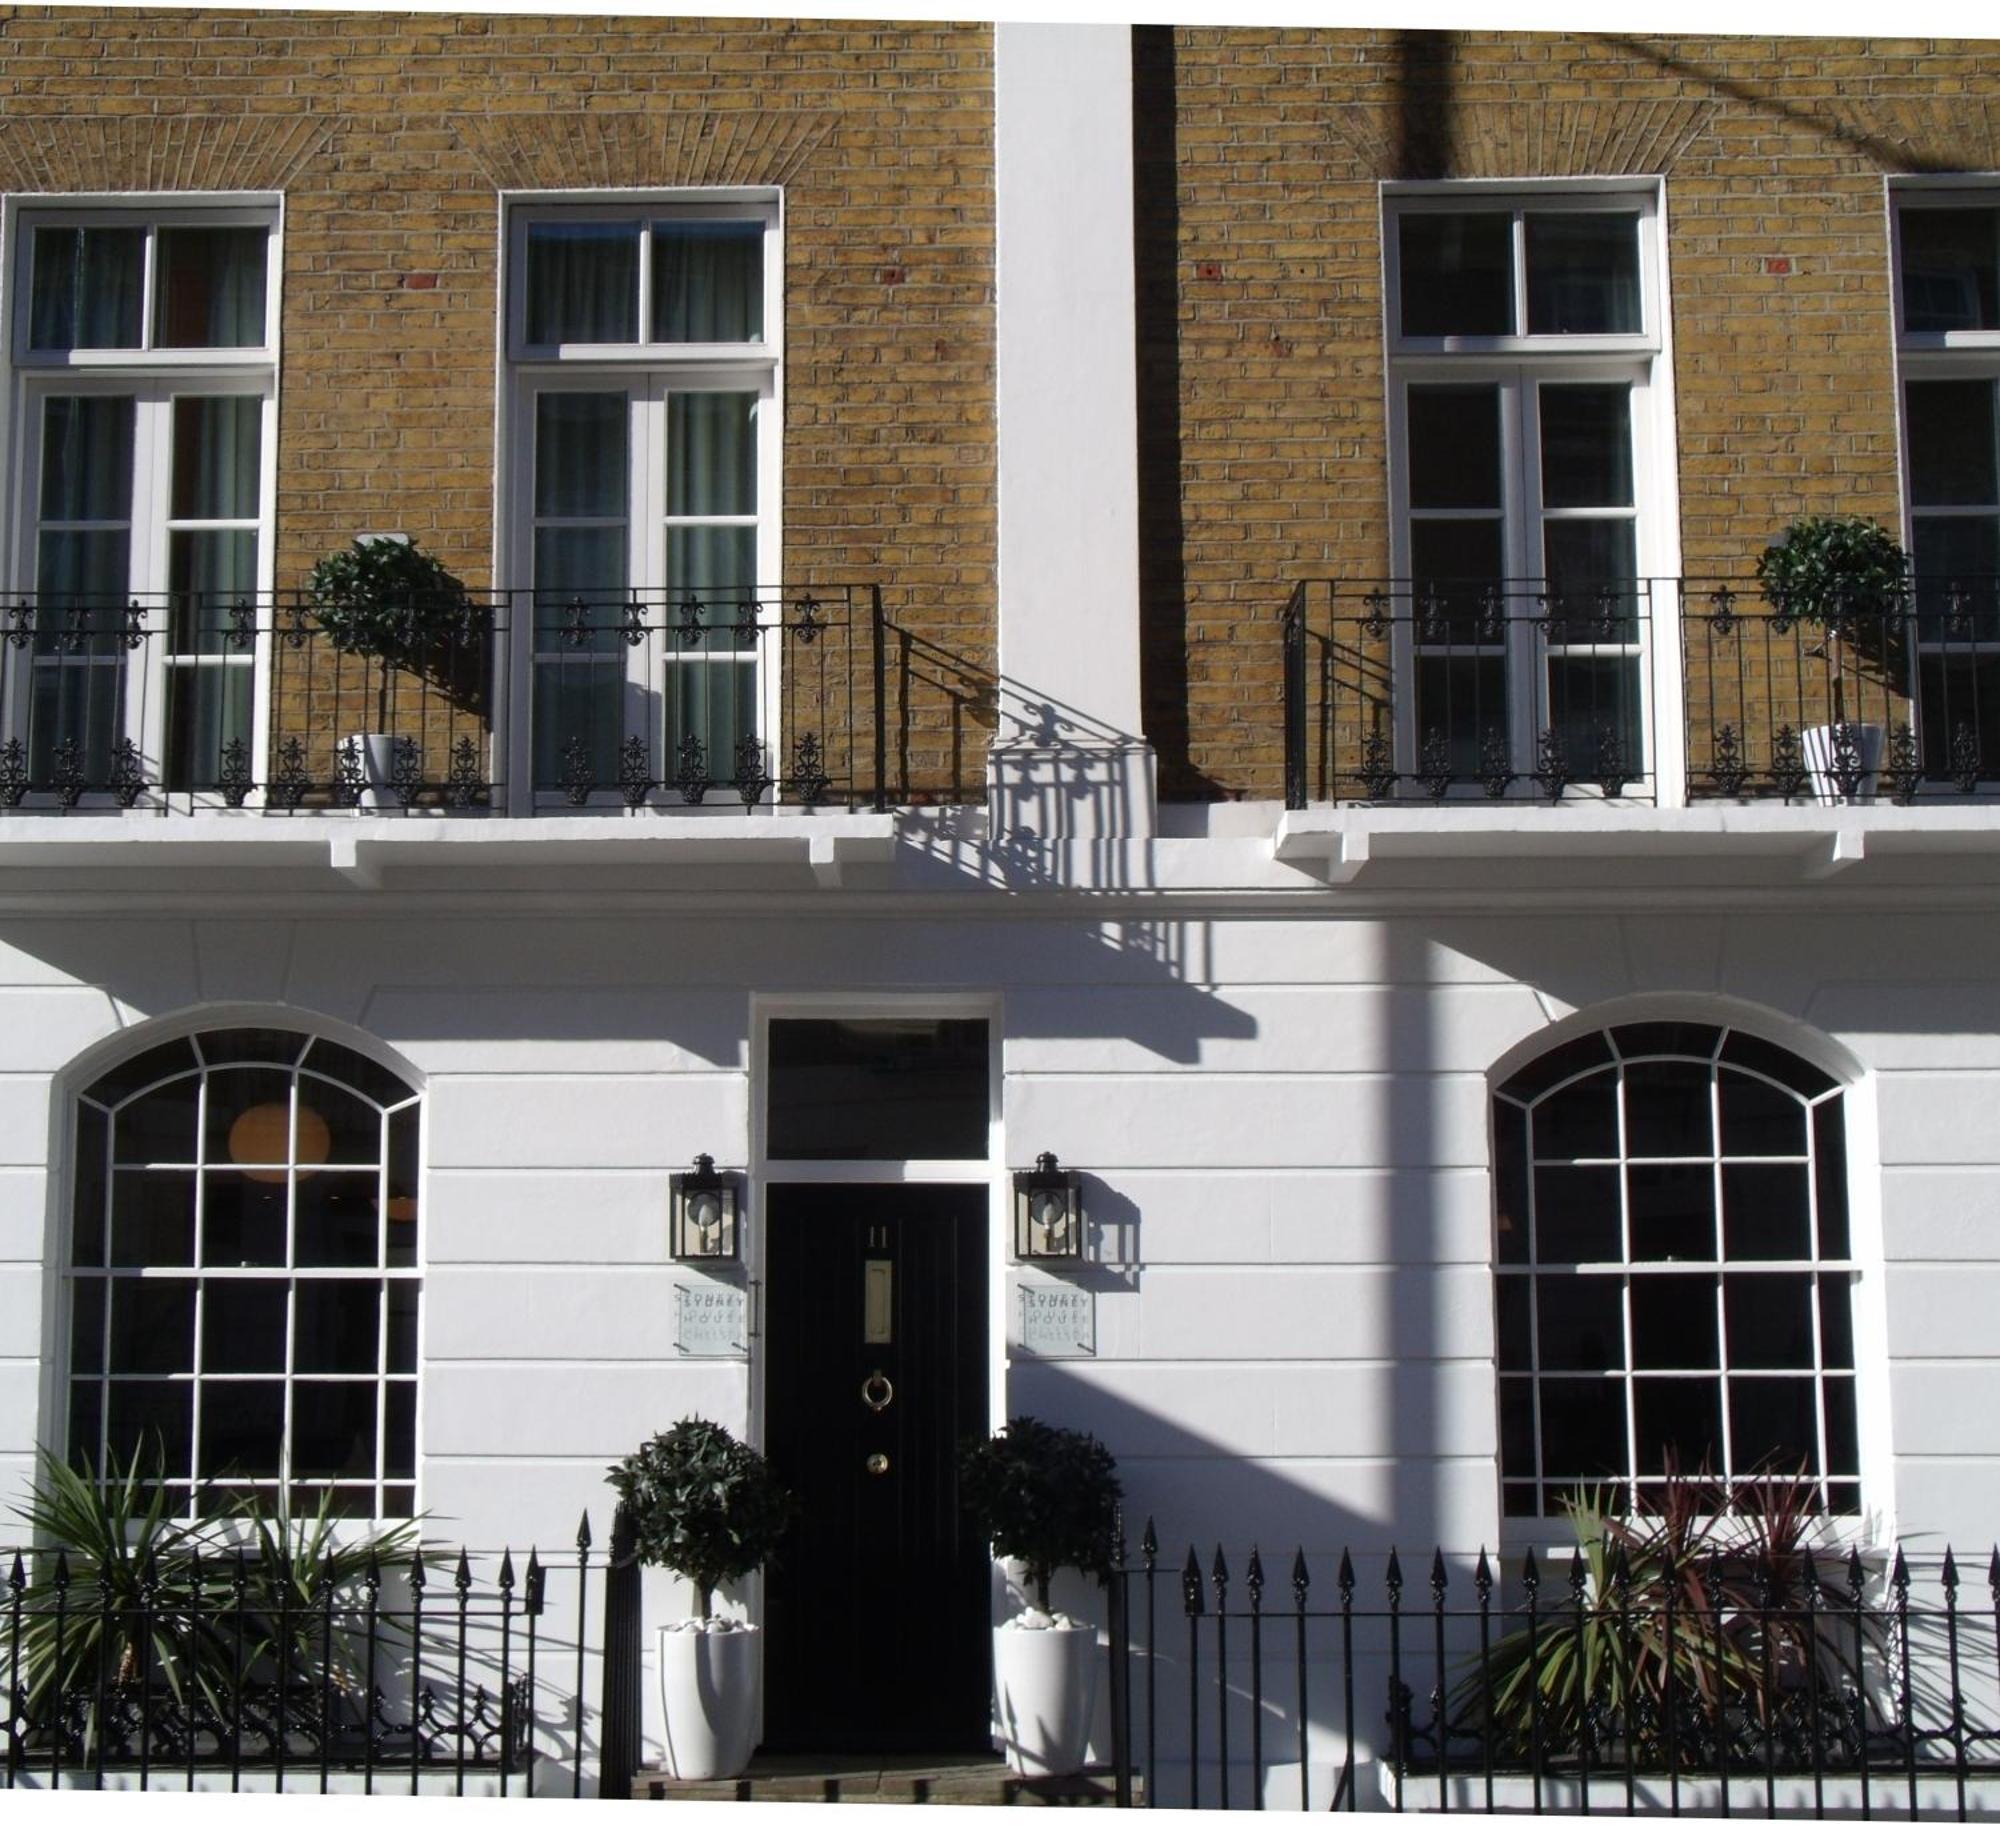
(878, 1463)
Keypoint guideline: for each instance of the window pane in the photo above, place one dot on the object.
(1454, 446)
(87, 288)
(86, 1327)
(720, 559)
(1836, 1321)
(336, 1327)
(1582, 1321)
(209, 288)
(1579, 1122)
(1592, 566)
(399, 1447)
(1954, 460)
(152, 1327)
(1673, 1321)
(711, 453)
(1455, 551)
(1683, 1417)
(1770, 1320)
(878, 1089)
(242, 1220)
(157, 1129)
(1517, 1426)
(1583, 1429)
(250, 1122)
(1510, 1180)
(1553, 1067)
(583, 282)
(1673, 1212)
(1576, 1214)
(87, 457)
(1667, 1110)
(339, 1219)
(87, 1211)
(1773, 1428)
(579, 563)
(1515, 1322)
(1764, 1213)
(1758, 1118)
(1830, 1171)
(1583, 274)
(1457, 272)
(708, 282)
(1951, 269)
(243, 1327)
(333, 1428)
(1773, 1061)
(152, 1219)
(154, 1419)
(1594, 704)
(242, 1428)
(402, 1358)
(218, 439)
(1843, 1452)
(582, 455)
(1586, 446)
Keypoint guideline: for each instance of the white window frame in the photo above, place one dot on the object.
(1628, 1268)
(383, 1273)
(1926, 355)
(1519, 364)
(155, 377)
(650, 372)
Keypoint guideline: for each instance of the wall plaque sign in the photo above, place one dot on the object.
(708, 1320)
(1058, 1321)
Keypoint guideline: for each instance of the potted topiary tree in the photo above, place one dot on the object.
(1047, 1497)
(387, 600)
(710, 1509)
(1848, 577)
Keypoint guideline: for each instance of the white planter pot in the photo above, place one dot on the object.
(1819, 749)
(708, 1689)
(1047, 1683)
(377, 754)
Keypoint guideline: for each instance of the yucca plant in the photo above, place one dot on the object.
(233, 1602)
(1696, 1623)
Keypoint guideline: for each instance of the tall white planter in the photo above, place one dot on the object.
(376, 755)
(1047, 1684)
(1820, 748)
(709, 1682)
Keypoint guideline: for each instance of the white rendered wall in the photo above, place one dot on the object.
(1070, 758)
(1283, 1122)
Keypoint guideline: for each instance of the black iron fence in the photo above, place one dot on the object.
(511, 702)
(220, 1672)
(1712, 1682)
(1504, 691)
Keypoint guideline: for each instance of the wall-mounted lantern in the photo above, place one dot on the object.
(1048, 1213)
(704, 1213)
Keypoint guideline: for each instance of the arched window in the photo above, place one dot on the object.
(243, 1270)
(1674, 1272)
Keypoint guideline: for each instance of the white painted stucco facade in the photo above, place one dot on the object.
(1268, 1040)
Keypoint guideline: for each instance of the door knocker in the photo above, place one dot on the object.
(877, 1392)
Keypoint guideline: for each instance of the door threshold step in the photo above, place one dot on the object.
(891, 1780)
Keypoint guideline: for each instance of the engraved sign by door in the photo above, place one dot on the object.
(877, 1635)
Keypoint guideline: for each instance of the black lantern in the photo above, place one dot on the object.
(1048, 1213)
(704, 1213)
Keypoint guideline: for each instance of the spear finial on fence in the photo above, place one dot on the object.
(1578, 1577)
(17, 1579)
(1149, 1544)
(1191, 1585)
(1253, 1579)
(417, 1569)
(1344, 1578)
(61, 1579)
(1899, 1575)
(532, 1595)
(506, 1578)
(1856, 1577)
(583, 1534)
(1992, 1574)
(463, 1576)
(1482, 1577)
(1301, 1578)
(371, 1576)
(1393, 1578)
(1531, 1573)
(1219, 1576)
(1949, 1576)
(1438, 1579)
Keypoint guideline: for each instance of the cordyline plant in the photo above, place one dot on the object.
(387, 600)
(703, 1505)
(1702, 1617)
(151, 1595)
(1044, 1495)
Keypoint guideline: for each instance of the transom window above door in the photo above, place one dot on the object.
(644, 458)
(1524, 425)
(143, 346)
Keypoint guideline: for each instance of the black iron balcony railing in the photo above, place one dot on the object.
(1500, 692)
(519, 702)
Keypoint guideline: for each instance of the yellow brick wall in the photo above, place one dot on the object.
(390, 136)
(1263, 449)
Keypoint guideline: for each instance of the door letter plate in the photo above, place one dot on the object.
(878, 1302)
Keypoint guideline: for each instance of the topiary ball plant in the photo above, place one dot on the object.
(1828, 565)
(1044, 1495)
(702, 1504)
(386, 598)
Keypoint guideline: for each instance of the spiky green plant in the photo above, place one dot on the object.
(1707, 1608)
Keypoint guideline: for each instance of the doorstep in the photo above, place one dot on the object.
(891, 1780)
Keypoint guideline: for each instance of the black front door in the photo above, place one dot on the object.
(877, 1621)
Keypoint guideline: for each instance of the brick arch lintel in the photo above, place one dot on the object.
(86, 153)
(637, 149)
